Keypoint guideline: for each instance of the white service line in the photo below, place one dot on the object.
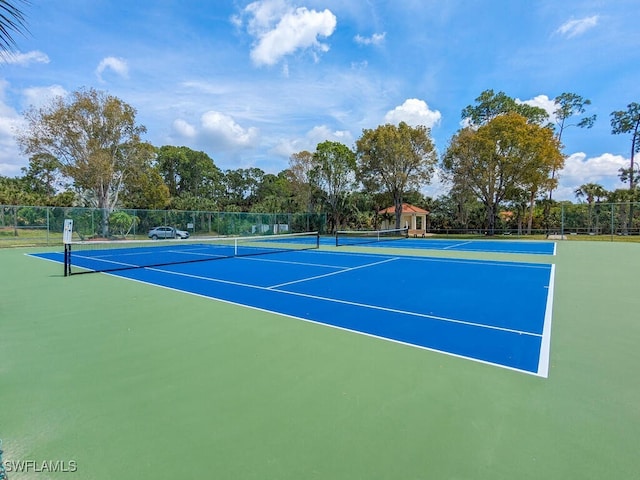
(545, 346)
(456, 245)
(261, 258)
(332, 273)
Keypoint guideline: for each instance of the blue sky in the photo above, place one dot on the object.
(250, 83)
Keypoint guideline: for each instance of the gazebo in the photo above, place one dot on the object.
(413, 218)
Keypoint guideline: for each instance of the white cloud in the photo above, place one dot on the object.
(573, 28)
(263, 14)
(225, 132)
(544, 102)
(318, 134)
(375, 39)
(40, 96)
(438, 187)
(184, 129)
(281, 30)
(414, 112)
(10, 121)
(24, 59)
(323, 133)
(215, 132)
(117, 65)
(579, 170)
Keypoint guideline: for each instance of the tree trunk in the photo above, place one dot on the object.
(492, 217)
(530, 219)
(397, 200)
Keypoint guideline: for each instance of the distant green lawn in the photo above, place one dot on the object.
(131, 381)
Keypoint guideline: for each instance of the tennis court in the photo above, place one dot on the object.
(406, 299)
(348, 238)
(131, 380)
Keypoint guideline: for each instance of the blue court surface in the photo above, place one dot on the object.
(480, 245)
(494, 312)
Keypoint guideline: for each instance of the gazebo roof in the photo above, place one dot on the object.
(406, 208)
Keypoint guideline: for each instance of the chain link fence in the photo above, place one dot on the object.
(32, 225)
(597, 221)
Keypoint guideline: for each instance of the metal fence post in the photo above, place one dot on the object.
(613, 207)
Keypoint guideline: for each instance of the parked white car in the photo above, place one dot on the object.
(167, 232)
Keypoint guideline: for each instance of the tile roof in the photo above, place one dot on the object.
(406, 208)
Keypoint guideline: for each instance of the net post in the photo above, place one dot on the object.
(67, 237)
(67, 259)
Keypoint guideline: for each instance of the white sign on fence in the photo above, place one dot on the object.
(67, 233)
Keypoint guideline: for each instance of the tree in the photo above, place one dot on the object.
(628, 121)
(95, 138)
(123, 223)
(44, 179)
(501, 159)
(569, 105)
(43, 174)
(301, 176)
(12, 20)
(335, 170)
(591, 192)
(395, 159)
(490, 104)
(13, 191)
(146, 189)
(240, 187)
(625, 199)
(189, 175)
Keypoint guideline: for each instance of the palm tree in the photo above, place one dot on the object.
(591, 192)
(12, 21)
(622, 200)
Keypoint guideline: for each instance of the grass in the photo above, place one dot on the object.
(131, 381)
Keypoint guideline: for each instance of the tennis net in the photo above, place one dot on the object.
(358, 237)
(115, 255)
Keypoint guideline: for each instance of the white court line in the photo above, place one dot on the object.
(456, 245)
(412, 258)
(345, 302)
(290, 262)
(273, 287)
(545, 346)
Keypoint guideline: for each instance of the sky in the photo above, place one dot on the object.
(252, 82)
